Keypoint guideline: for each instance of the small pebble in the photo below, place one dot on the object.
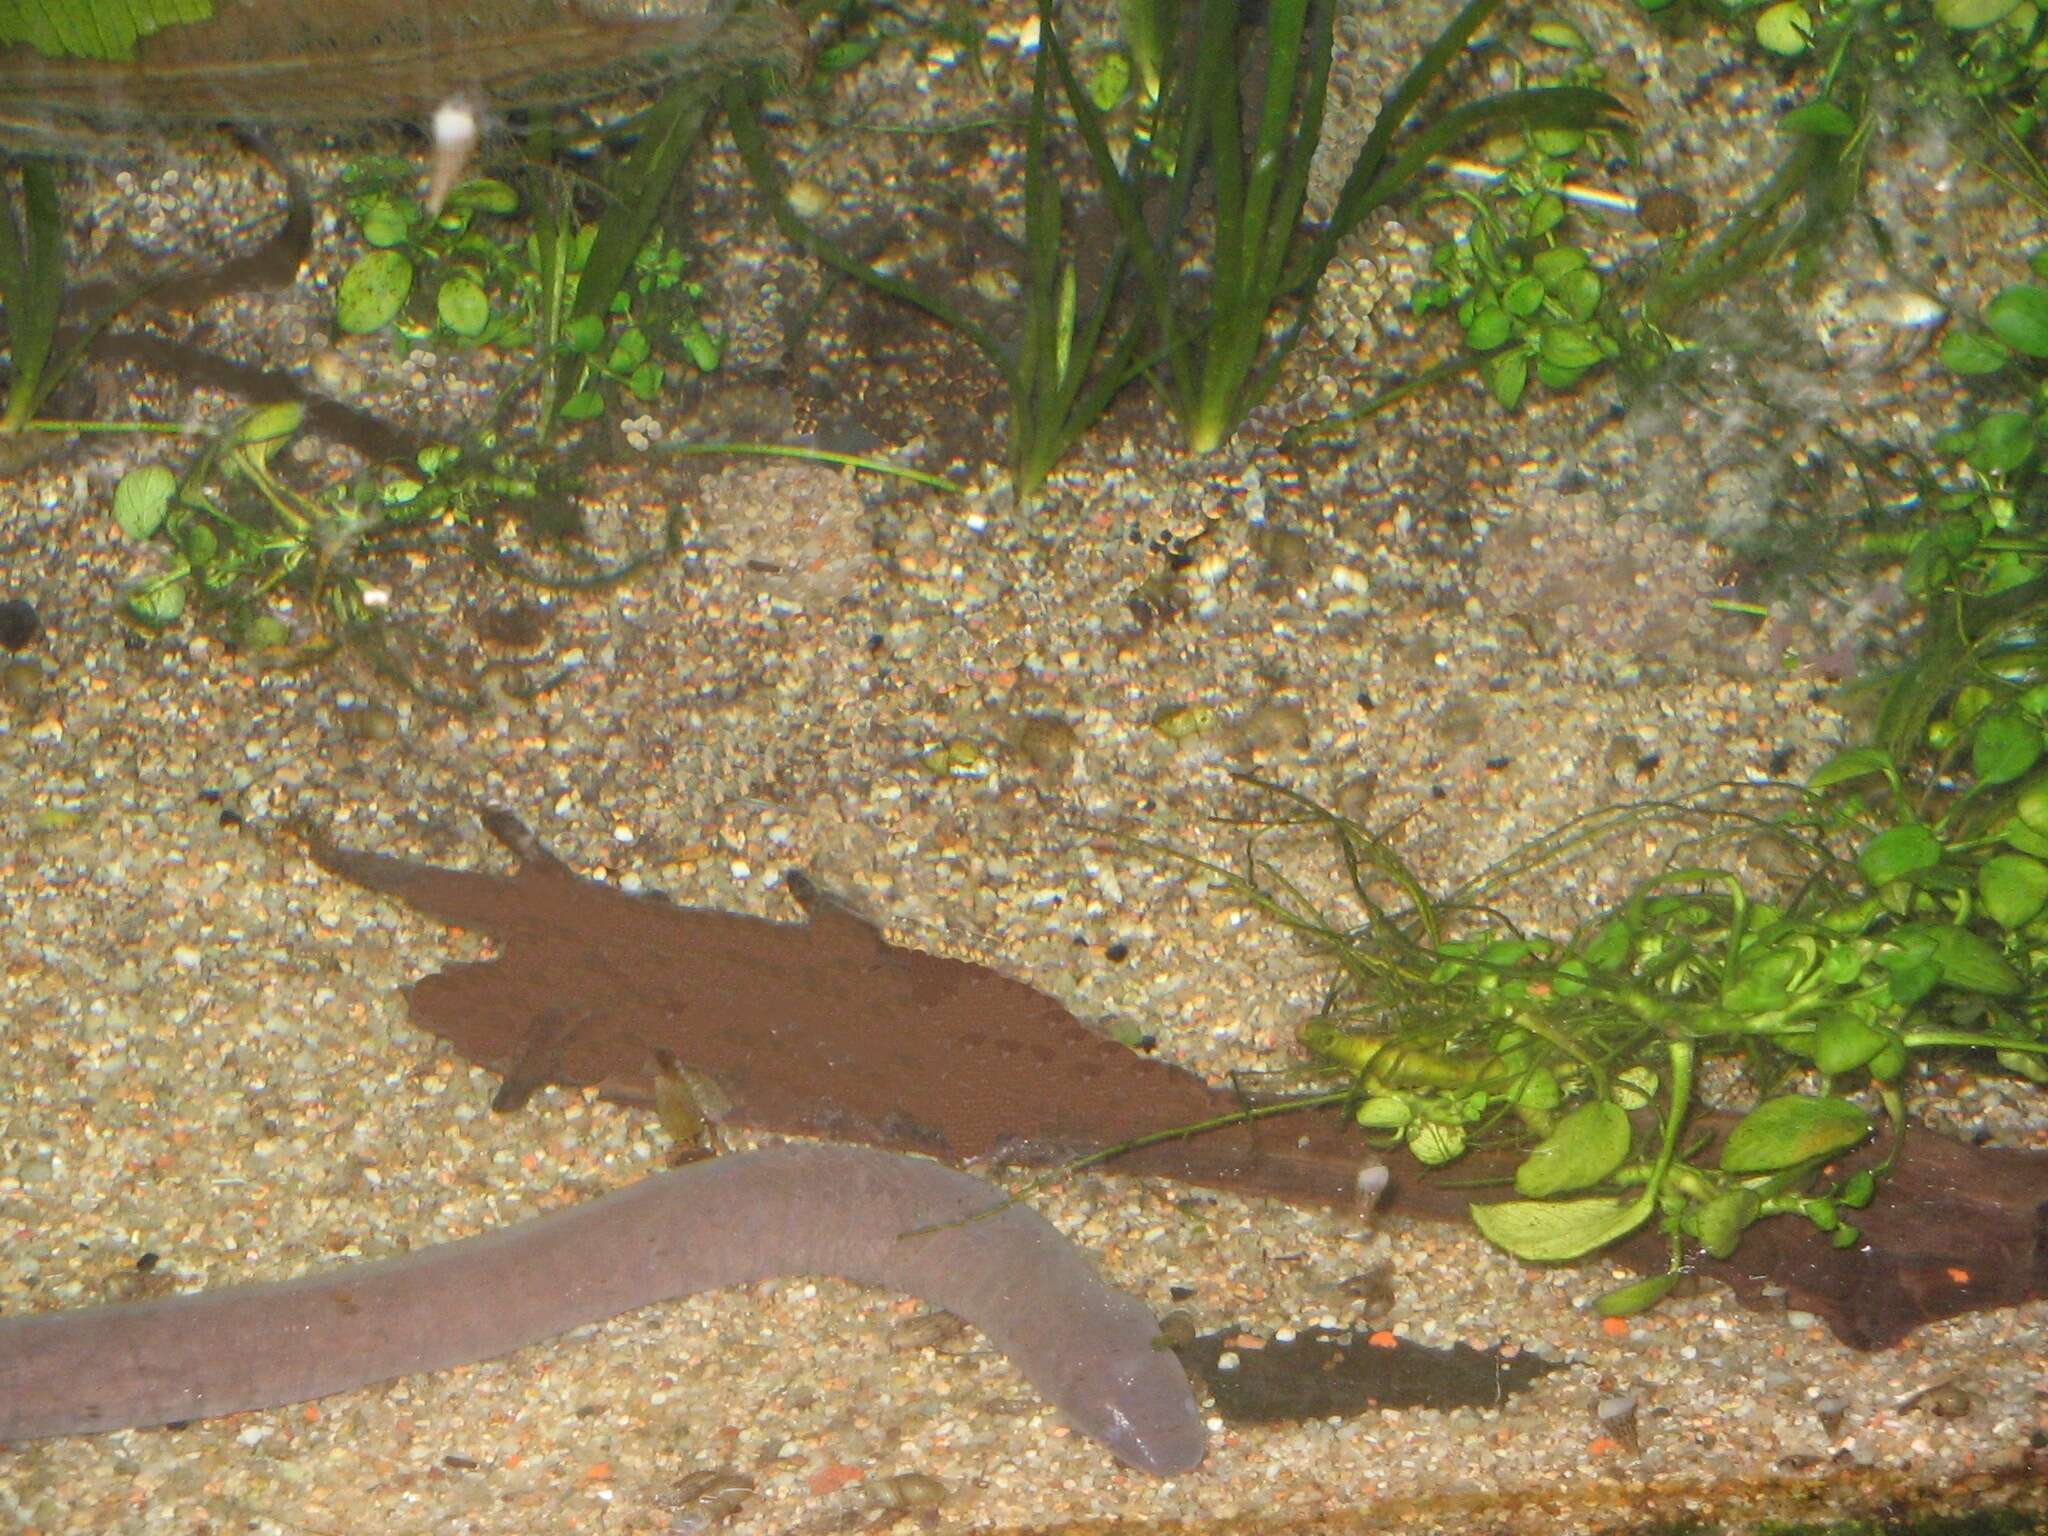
(1948, 1401)
(1048, 743)
(372, 723)
(908, 1490)
(1831, 1411)
(1666, 210)
(22, 682)
(20, 625)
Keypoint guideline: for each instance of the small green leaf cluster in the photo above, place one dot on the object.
(1932, 935)
(456, 279)
(653, 320)
(244, 543)
(1531, 303)
(434, 279)
(1981, 537)
(1996, 50)
(1519, 278)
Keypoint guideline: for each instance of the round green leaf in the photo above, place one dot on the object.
(463, 306)
(1570, 346)
(1555, 33)
(1489, 328)
(582, 406)
(1384, 1112)
(1435, 1143)
(1523, 297)
(485, 195)
(2004, 748)
(629, 351)
(372, 292)
(1639, 1296)
(1507, 376)
(2001, 441)
(383, 220)
(1720, 1223)
(268, 424)
(158, 605)
(704, 348)
(1898, 852)
(2013, 888)
(1972, 352)
(1853, 764)
(583, 334)
(1971, 962)
(2019, 318)
(1782, 1133)
(1843, 1042)
(1634, 1087)
(1785, 29)
(1578, 292)
(645, 381)
(142, 498)
(1543, 214)
(1968, 15)
(1553, 264)
(1587, 1145)
(1552, 1231)
(1109, 82)
(1821, 119)
(2031, 805)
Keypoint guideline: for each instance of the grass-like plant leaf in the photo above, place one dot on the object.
(31, 289)
(1220, 354)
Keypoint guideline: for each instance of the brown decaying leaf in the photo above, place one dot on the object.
(823, 1028)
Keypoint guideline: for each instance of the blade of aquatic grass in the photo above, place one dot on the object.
(1060, 384)
(742, 97)
(1119, 187)
(32, 285)
(669, 132)
(1059, 376)
(1536, 107)
(1219, 354)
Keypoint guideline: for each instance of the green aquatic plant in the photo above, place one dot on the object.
(1975, 554)
(1225, 333)
(1454, 1027)
(601, 305)
(1207, 284)
(31, 289)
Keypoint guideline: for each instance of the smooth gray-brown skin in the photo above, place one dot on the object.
(1091, 1350)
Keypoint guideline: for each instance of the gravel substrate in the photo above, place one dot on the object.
(1494, 623)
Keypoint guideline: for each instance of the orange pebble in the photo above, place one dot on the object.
(1614, 1327)
(833, 1478)
(597, 1472)
(1382, 1340)
(1606, 1445)
(1959, 1275)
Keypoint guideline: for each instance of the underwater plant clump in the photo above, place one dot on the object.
(1456, 1029)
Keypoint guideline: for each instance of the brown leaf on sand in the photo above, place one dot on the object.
(824, 1028)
